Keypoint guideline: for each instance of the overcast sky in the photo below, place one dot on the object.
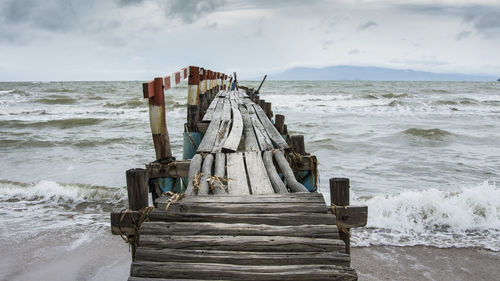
(140, 39)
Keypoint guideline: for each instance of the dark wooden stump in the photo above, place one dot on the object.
(339, 196)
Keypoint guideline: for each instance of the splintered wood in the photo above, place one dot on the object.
(241, 139)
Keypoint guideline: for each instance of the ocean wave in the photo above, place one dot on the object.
(57, 123)
(50, 191)
(433, 134)
(56, 99)
(23, 140)
(394, 96)
(133, 103)
(468, 217)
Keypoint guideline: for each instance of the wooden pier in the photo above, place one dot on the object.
(242, 205)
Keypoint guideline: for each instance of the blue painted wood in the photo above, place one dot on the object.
(190, 138)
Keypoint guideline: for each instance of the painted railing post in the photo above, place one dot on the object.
(193, 93)
(154, 92)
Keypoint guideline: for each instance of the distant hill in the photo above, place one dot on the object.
(344, 72)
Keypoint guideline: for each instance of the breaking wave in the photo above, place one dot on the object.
(468, 217)
(433, 134)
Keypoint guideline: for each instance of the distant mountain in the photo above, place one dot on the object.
(344, 72)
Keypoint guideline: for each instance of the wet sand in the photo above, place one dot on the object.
(425, 263)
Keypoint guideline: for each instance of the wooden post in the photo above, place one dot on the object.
(279, 123)
(137, 190)
(267, 110)
(262, 104)
(258, 89)
(193, 92)
(256, 100)
(298, 144)
(154, 92)
(339, 195)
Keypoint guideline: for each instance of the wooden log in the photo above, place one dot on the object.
(207, 271)
(242, 243)
(298, 144)
(291, 181)
(279, 123)
(137, 189)
(207, 172)
(242, 208)
(310, 197)
(220, 168)
(193, 96)
(239, 229)
(237, 179)
(268, 110)
(351, 216)
(277, 183)
(274, 135)
(233, 139)
(265, 142)
(251, 143)
(194, 169)
(241, 258)
(272, 219)
(123, 222)
(339, 195)
(257, 175)
(175, 169)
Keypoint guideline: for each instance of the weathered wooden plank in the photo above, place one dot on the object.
(351, 216)
(208, 141)
(194, 169)
(243, 243)
(207, 172)
(219, 171)
(274, 135)
(226, 109)
(233, 140)
(235, 208)
(261, 134)
(277, 183)
(238, 229)
(241, 258)
(211, 109)
(222, 134)
(132, 278)
(257, 175)
(237, 178)
(311, 197)
(291, 181)
(242, 272)
(251, 143)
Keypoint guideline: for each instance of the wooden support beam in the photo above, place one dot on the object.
(194, 169)
(137, 189)
(154, 92)
(279, 123)
(351, 216)
(268, 110)
(193, 96)
(219, 187)
(258, 89)
(291, 181)
(298, 144)
(339, 196)
(207, 172)
(277, 183)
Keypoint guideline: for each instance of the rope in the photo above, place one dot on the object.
(175, 198)
(341, 228)
(196, 180)
(221, 180)
(143, 217)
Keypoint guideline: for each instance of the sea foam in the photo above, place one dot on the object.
(467, 217)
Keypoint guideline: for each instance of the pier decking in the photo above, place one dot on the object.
(244, 214)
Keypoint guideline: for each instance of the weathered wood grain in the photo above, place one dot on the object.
(233, 139)
(207, 172)
(251, 143)
(222, 134)
(242, 208)
(241, 258)
(260, 132)
(220, 172)
(238, 229)
(274, 135)
(242, 272)
(291, 181)
(257, 175)
(211, 109)
(237, 179)
(242, 243)
(277, 183)
(194, 169)
(351, 216)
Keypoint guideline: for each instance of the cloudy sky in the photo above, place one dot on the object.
(140, 39)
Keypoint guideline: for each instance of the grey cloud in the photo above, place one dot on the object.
(463, 35)
(353, 52)
(367, 25)
(190, 11)
(128, 2)
(484, 21)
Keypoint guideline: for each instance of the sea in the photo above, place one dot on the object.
(423, 156)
